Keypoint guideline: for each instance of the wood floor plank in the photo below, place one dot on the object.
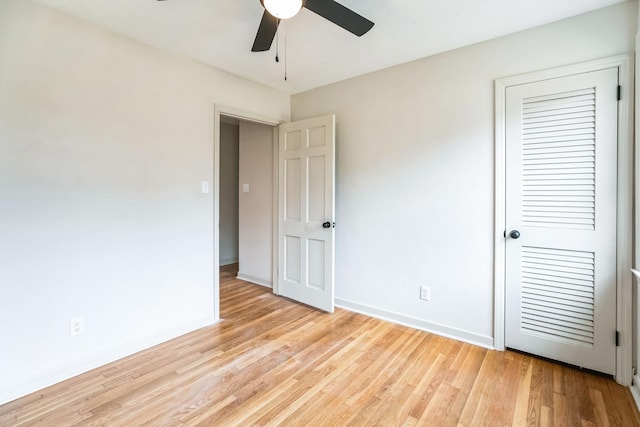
(274, 362)
(522, 412)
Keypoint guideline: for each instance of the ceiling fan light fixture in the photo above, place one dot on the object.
(283, 9)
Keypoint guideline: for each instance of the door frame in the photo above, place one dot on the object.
(624, 226)
(223, 110)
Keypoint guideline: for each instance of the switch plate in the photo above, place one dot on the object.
(425, 293)
(245, 188)
(205, 187)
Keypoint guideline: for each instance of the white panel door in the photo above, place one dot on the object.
(561, 199)
(306, 211)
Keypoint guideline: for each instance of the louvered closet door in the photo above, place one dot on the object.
(561, 198)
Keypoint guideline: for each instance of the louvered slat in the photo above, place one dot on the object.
(558, 298)
(551, 147)
(558, 160)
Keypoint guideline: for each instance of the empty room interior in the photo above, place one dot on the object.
(319, 212)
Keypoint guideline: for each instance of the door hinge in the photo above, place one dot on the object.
(619, 92)
(617, 338)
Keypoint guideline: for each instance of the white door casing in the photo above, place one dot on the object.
(561, 193)
(306, 195)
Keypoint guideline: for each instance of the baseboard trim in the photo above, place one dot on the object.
(48, 378)
(254, 280)
(227, 261)
(423, 325)
(635, 390)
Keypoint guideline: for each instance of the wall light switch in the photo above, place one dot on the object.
(205, 187)
(245, 188)
(425, 293)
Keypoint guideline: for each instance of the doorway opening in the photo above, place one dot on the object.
(296, 258)
(245, 188)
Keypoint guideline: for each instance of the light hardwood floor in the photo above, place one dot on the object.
(274, 362)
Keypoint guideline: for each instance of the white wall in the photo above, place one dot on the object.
(256, 170)
(415, 171)
(229, 141)
(103, 145)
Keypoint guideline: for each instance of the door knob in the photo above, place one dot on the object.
(515, 234)
(326, 224)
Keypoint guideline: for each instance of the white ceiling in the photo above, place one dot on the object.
(220, 32)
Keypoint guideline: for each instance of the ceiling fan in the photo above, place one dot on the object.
(276, 10)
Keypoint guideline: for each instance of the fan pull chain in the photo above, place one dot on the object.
(283, 26)
(277, 42)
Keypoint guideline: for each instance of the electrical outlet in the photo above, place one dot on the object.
(76, 326)
(425, 293)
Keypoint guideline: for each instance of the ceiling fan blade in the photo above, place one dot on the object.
(266, 33)
(340, 15)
